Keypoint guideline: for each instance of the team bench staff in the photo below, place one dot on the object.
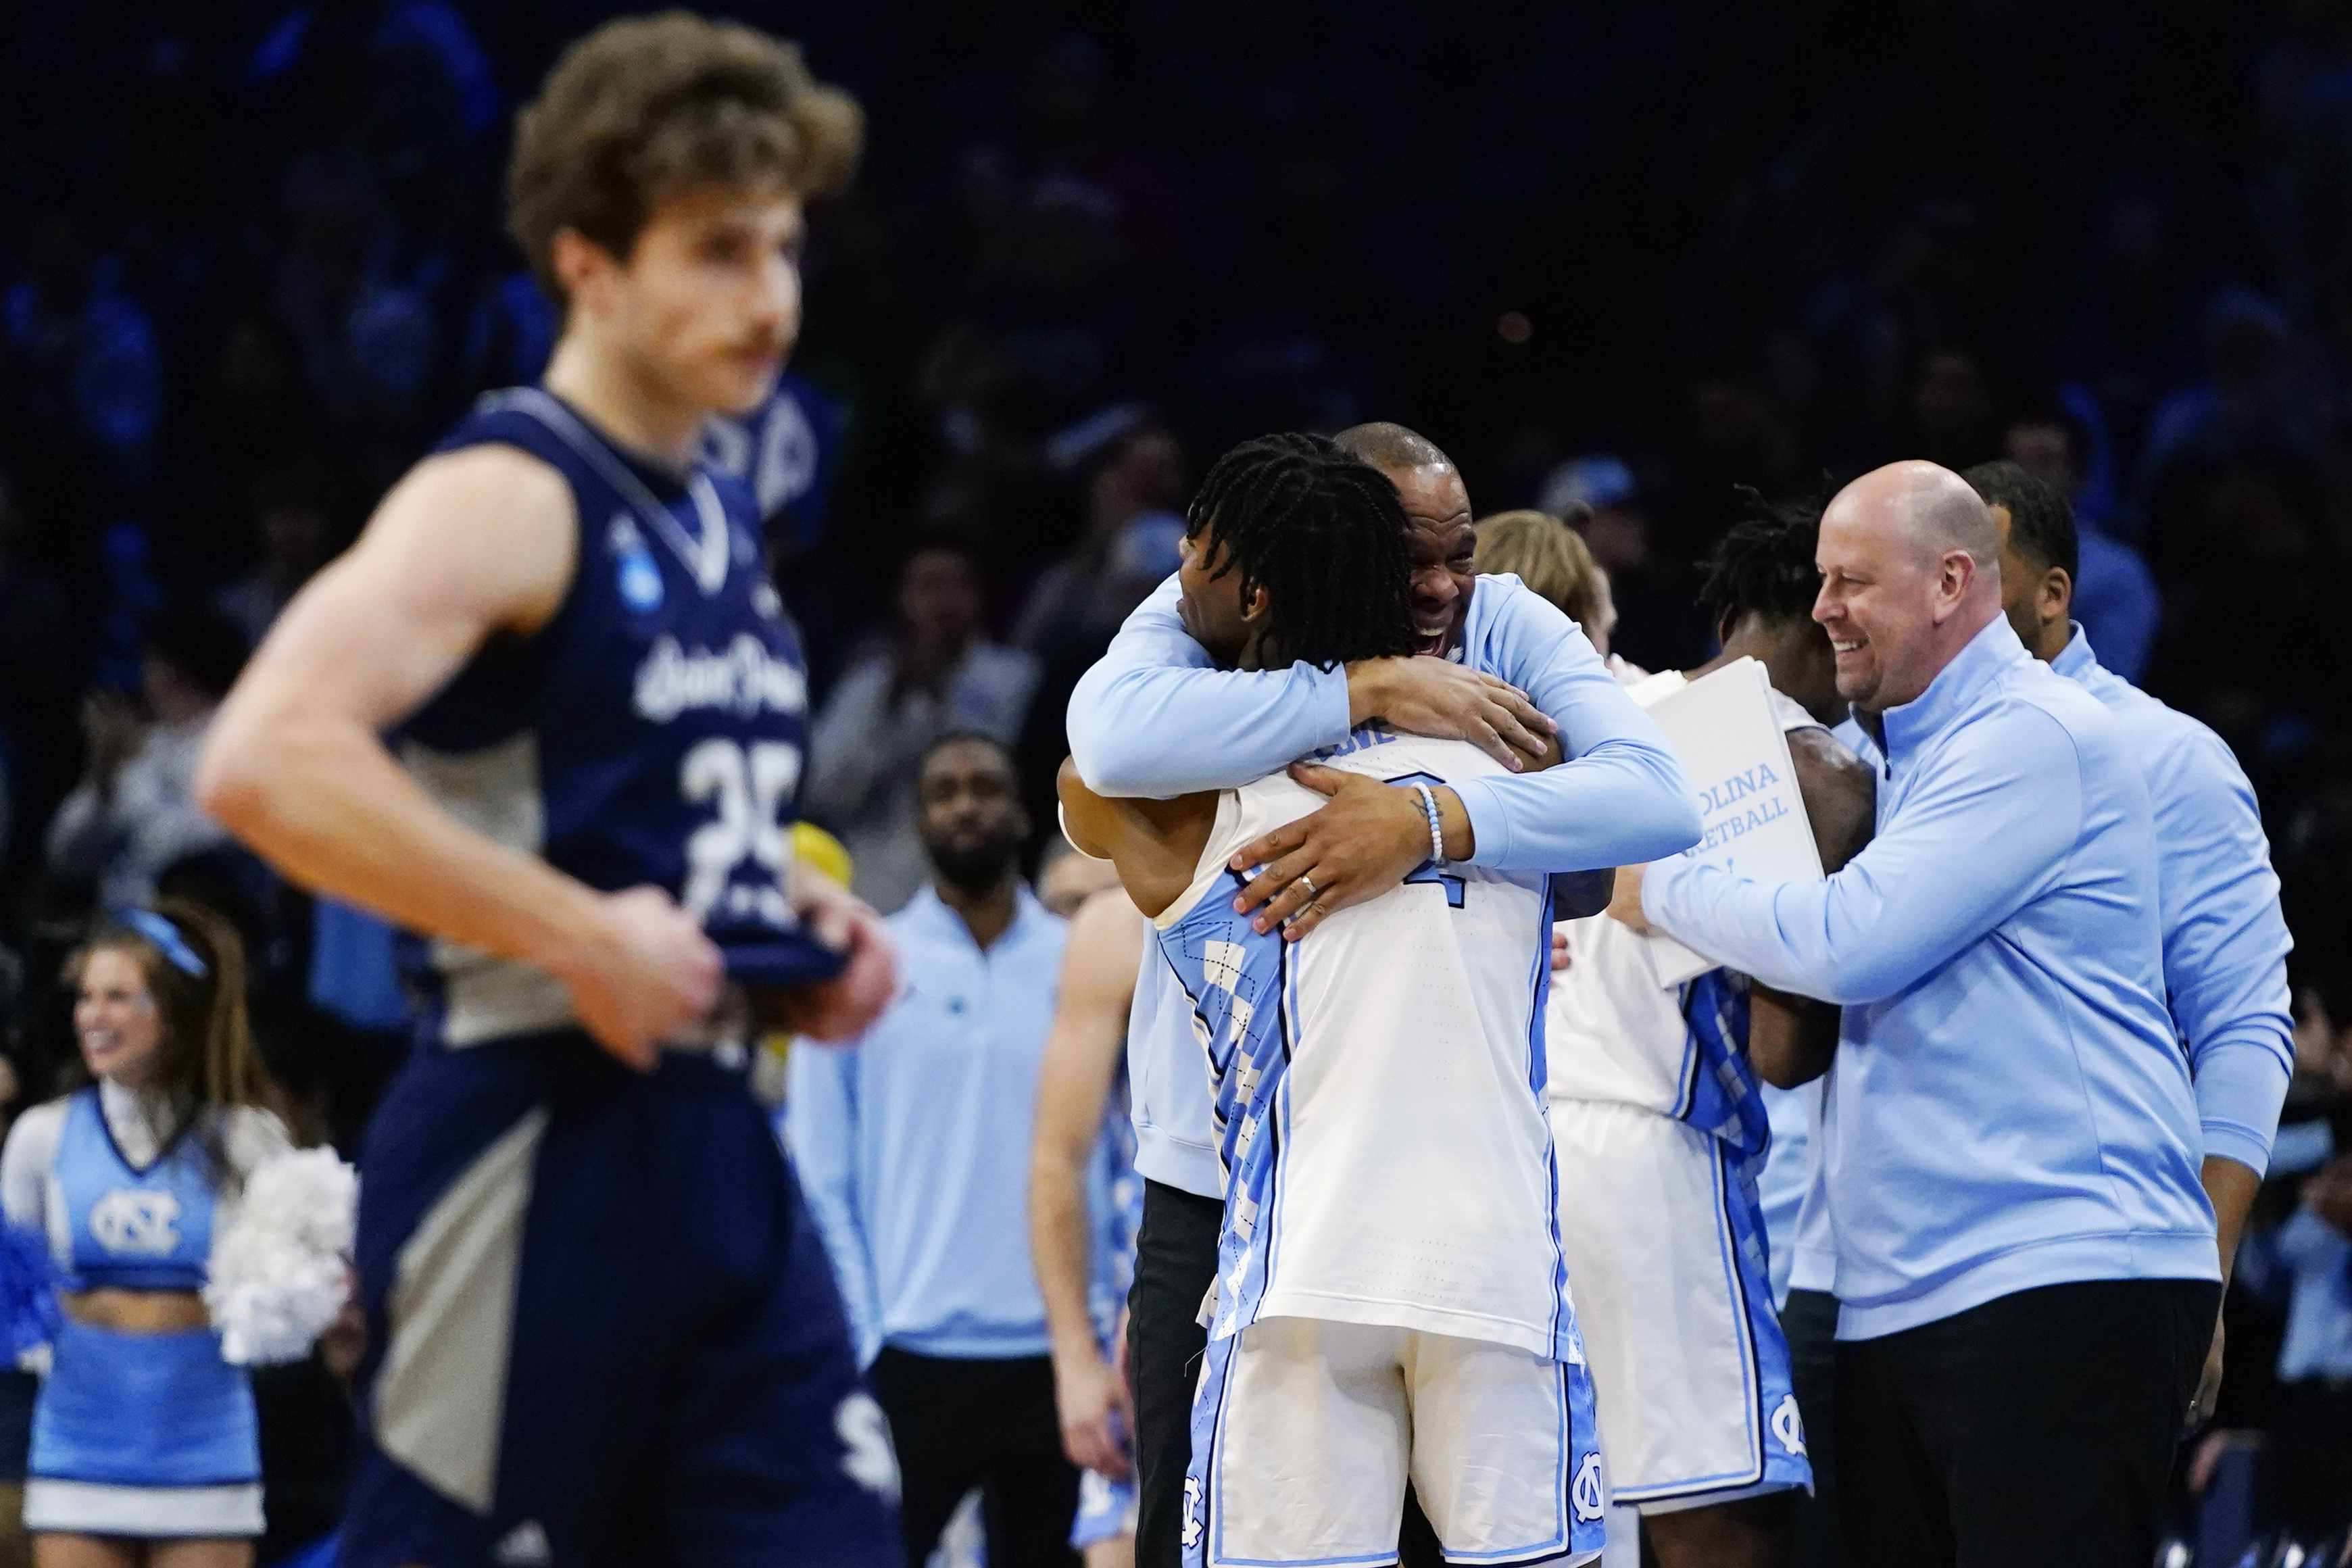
(2026, 1256)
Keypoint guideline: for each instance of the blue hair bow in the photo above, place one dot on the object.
(168, 940)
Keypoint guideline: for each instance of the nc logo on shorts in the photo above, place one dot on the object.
(1586, 1493)
(136, 1221)
(1788, 1426)
(865, 1433)
(1192, 1511)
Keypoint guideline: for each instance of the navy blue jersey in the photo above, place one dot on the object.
(652, 732)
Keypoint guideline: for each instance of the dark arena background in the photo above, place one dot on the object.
(1618, 260)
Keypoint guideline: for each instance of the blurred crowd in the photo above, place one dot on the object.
(1618, 260)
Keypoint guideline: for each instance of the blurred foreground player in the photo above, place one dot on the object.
(603, 1328)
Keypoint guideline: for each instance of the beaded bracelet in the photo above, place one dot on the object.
(1437, 834)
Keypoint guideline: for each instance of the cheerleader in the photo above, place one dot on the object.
(144, 1445)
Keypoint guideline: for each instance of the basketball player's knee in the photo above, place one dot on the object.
(1750, 1533)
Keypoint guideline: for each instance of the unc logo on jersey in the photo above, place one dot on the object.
(637, 577)
(1788, 1425)
(1192, 1511)
(1586, 1491)
(136, 1222)
(866, 1454)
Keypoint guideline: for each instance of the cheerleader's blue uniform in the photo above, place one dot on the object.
(139, 1435)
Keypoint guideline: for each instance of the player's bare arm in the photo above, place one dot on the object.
(1074, 1078)
(470, 546)
(1155, 844)
(1791, 1038)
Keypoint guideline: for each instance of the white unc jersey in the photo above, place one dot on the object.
(1615, 1033)
(1380, 1086)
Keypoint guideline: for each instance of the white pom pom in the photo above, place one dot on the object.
(279, 1270)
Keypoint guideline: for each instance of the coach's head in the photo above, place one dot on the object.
(1295, 551)
(1910, 573)
(1444, 541)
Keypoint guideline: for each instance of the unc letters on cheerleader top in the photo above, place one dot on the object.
(652, 732)
(140, 1229)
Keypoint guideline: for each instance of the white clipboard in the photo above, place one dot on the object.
(1752, 817)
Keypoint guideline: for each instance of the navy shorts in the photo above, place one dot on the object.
(603, 1328)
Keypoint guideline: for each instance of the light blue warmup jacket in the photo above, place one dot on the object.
(2011, 1106)
(2225, 940)
(912, 1143)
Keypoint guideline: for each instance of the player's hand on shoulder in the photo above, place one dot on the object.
(1365, 842)
(846, 1005)
(649, 972)
(1448, 701)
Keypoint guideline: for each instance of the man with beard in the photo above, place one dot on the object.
(914, 1146)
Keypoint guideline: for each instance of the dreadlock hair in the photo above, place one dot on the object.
(1327, 538)
(1763, 565)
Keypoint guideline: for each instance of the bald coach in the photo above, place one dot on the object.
(2025, 1256)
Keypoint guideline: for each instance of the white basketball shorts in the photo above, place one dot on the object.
(1665, 1251)
(1316, 1427)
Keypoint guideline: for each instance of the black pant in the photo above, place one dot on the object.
(1809, 1322)
(2037, 1429)
(1175, 1259)
(989, 1424)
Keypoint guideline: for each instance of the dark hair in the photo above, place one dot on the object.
(2041, 520)
(205, 1061)
(647, 106)
(1327, 538)
(944, 542)
(966, 737)
(199, 641)
(1763, 565)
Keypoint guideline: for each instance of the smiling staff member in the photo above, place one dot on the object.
(144, 1445)
(2025, 1256)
